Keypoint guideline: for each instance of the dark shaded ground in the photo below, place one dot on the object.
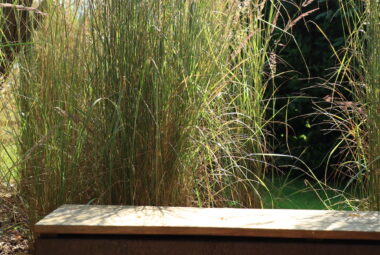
(13, 230)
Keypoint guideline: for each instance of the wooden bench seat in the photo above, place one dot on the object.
(81, 229)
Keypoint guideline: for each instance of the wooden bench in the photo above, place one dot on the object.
(81, 229)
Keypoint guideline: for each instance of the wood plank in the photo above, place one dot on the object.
(147, 220)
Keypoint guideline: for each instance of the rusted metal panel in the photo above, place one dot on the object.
(189, 245)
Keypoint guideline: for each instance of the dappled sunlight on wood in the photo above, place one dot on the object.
(211, 221)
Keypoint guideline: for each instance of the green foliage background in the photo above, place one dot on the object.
(309, 54)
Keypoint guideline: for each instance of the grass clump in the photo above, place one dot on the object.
(373, 99)
(8, 152)
(146, 103)
(354, 103)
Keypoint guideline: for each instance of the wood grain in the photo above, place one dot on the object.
(315, 224)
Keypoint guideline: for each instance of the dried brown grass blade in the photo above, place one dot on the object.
(306, 3)
(293, 22)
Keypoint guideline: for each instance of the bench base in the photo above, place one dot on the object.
(189, 245)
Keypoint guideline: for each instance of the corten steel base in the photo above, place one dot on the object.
(114, 230)
(190, 245)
